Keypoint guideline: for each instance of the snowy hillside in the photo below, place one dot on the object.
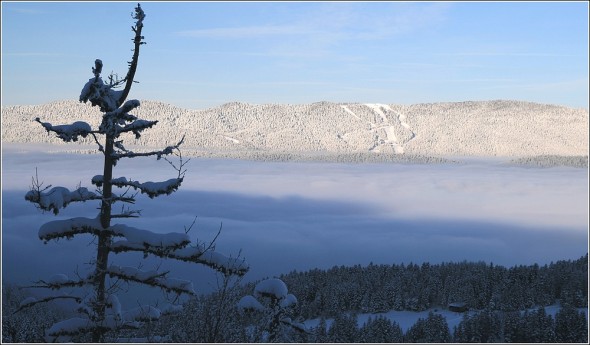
(484, 128)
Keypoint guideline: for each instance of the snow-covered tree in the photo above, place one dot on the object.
(380, 330)
(433, 329)
(571, 326)
(275, 304)
(97, 304)
(344, 329)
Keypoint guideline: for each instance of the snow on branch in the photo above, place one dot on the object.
(123, 111)
(273, 288)
(59, 197)
(63, 330)
(68, 133)
(59, 281)
(69, 327)
(199, 254)
(69, 227)
(99, 93)
(152, 189)
(129, 154)
(249, 303)
(31, 301)
(153, 278)
(136, 127)
(146, 241)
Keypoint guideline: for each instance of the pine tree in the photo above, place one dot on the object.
(540, 326)
(571, 326)
(380, 330)
(100, 310)
(483, 327)
(344, 329)
(433, 329)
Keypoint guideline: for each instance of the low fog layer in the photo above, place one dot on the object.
(285, 216)
(348, 130)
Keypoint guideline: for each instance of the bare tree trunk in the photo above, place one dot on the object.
(104, 239)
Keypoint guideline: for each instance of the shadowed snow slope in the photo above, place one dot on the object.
(239, 130)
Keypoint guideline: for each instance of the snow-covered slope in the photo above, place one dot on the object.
(483, 128)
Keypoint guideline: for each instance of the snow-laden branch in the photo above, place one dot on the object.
(64, 330)
(129, 154)
(59, 197)
(200, 254)
(152, 189)
(135, 239)
(249, 303)
(147, 241)
(69, 227)
(99, 93)
(31, 301)
(122, 113)
(68, 133)
(273, 288)
(197, 254)
(153, 278)
(59, 281)
(136, 127)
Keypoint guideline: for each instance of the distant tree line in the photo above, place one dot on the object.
(380, 288)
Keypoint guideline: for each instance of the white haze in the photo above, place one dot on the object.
(286, 216)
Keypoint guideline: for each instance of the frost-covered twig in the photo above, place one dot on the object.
(187, 230)
(153, 278)
(127, 213)
(31, 301)
(180, 169)
(55, 284)
(129, 154)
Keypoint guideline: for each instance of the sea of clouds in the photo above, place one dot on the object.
(296, 216)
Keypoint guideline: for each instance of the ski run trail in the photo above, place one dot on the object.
(389, 139)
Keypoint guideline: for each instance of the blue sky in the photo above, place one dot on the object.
(204, 54)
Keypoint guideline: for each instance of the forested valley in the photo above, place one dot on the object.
(496, 303)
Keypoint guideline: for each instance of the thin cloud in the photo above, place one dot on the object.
(30, 11)
(513, 54)
(334, 23)
(248, 32)
(33, 54)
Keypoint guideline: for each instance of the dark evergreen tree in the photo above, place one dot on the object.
(571, 326)
(320, 332)
(540, 326)
(433, 329)
(344, 329)
(483, 327)
(380, 330)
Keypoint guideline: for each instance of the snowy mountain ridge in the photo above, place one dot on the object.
(500, 128)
